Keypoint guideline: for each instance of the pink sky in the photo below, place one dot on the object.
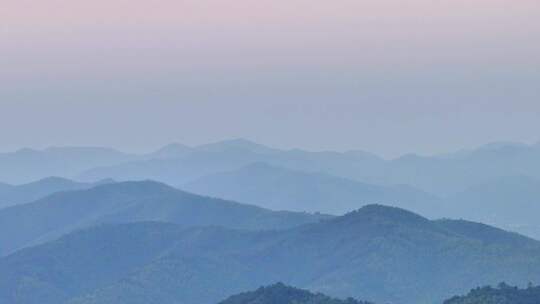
(301, 32)
(418, 68)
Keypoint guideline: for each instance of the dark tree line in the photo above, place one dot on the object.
(281, 294)
(502, 294)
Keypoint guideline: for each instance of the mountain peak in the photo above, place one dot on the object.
(382, 212)
(172, 150)
(283, 294)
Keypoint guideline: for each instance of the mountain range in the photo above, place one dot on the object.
(381, 254)
(177, 164)
(510, 202)
(496, 183)
(13, 195)
(441, 175)
(284, 189)
(28, 165)
(63, 212)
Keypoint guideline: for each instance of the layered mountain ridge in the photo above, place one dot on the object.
(378, 253)
(61, 213)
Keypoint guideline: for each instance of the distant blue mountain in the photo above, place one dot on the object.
(28, 165)
(177, 164)
(60, 213)
(378, 253)
(441, 175)
(512, 202)
(447, 176)
(14, 195)
(284, 189)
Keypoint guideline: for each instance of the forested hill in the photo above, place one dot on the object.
(503, 294)
(378, 253)
(282, 294)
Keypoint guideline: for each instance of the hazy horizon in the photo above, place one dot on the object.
(344, 75)
(155, 149)
(423, 129)
(425, 114)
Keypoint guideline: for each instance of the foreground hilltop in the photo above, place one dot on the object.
(283, 294)
(378, 253)
(503, 294)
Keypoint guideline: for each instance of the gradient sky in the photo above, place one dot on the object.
(387, 76)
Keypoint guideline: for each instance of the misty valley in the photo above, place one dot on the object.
(269, 152)
(236, 222)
